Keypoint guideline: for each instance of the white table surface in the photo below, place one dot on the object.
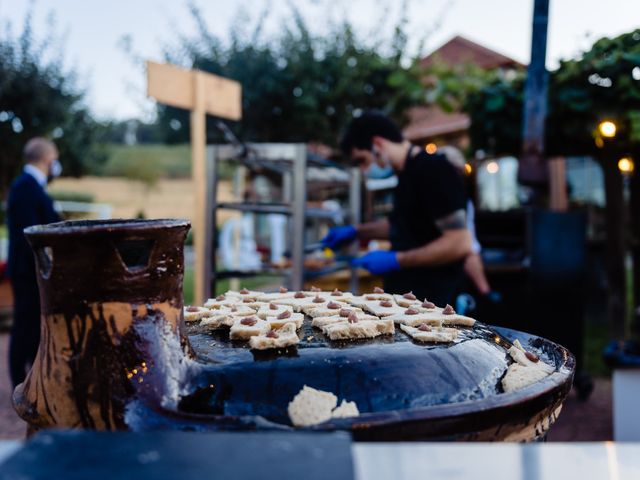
(450, 461)
(479, 461)
(7, 447)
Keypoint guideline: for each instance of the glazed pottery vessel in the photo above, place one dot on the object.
(103, 284)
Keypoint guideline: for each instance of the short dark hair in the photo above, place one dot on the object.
(362, 129)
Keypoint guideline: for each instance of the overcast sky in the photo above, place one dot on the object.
(93, 30)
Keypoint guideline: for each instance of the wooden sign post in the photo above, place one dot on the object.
(201, 93)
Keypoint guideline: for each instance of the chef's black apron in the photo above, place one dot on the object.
(428, 188)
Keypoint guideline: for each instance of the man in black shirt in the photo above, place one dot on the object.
(427, 227)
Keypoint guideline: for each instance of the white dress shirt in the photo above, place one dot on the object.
(36, 173)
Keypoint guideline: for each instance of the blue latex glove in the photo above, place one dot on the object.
(378, 262)
(338, 236)
(494, 297)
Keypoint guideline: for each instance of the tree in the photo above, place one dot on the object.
(39, 97)
(603, 83)
(496, 116)
(298, 86)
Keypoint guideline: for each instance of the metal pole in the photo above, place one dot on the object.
(614, 246)
(199, 176)
(298, 216)
(532, 169)
(355, 183)
(211, 235)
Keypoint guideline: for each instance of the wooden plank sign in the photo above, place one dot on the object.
(201, 93)
(174, 86)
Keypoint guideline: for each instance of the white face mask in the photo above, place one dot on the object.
(56, 169)
(381, 166)
(378, 172)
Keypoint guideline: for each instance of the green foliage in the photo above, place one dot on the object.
(597, 336)
(298, 86)
(582, 92)
(599, 85)
(131, 131)
(451, 86)
(496, 116)
(189, 240)
(39, 97)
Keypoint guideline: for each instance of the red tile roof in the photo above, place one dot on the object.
(462, 50)
(431, 121)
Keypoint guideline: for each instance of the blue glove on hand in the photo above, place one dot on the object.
(338, 236)
(378, 262)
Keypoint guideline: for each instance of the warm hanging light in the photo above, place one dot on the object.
(493, 167)
(607, 128)
(468, 168)
(626, 165)
(431, 148)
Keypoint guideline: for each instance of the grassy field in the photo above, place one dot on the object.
(150, 163)
(163, 161)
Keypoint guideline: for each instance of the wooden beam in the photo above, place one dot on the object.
(170, 85)
(174, 86)
(223, 97)
(558, 200)
(199, 175)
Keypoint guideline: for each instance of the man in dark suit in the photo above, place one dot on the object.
(28, 204)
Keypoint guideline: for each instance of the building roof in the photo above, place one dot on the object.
(432, 121)
(462, 50)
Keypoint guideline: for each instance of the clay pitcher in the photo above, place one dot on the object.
(100, 281)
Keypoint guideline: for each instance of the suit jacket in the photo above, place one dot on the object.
(28, 204)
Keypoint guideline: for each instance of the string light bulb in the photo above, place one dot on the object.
(607, 129)
(625, 165)
(493, 167)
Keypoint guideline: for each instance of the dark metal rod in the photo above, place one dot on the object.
(532, 167)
